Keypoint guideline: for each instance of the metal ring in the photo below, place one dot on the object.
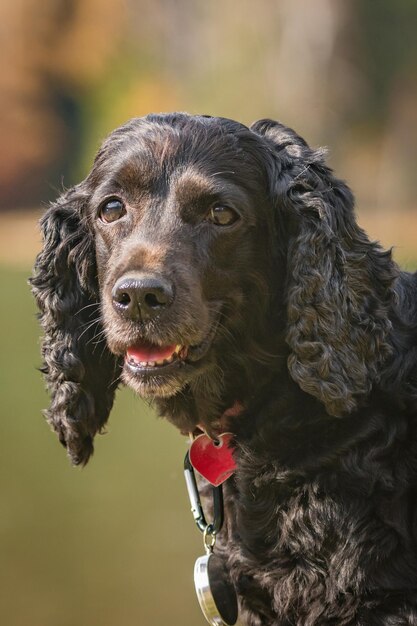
(209, 538)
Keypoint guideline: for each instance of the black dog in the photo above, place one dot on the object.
(220, 271)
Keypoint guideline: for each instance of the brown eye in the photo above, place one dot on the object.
(112, 210)
(222, 216)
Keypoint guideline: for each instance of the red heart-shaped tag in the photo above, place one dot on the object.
(213, 459)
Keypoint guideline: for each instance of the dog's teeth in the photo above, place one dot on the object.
(183, 352)
(179, 352)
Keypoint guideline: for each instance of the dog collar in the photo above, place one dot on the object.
(222, 424)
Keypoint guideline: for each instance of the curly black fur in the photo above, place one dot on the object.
(81, 374)
(313, 331)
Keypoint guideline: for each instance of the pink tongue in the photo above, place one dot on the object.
(148, 352)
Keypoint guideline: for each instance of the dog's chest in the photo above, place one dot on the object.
(298, 543)
(298, 525)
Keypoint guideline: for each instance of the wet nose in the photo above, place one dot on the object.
(142, 297)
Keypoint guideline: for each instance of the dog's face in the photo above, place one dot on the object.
(181, 222)
(206, 258)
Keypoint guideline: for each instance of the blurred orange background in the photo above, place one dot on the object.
(115, 543)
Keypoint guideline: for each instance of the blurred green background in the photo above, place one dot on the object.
(115, 543)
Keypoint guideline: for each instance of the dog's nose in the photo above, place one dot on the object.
(142, 297)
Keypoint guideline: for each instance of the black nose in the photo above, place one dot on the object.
(141, 297)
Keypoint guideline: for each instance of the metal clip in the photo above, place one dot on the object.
(196, 508)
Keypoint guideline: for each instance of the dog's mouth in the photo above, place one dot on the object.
(157, 368)
(146, 355)
(149, 358)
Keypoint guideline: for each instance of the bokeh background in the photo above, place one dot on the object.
(115, 543)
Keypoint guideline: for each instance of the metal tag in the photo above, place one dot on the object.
(215, 591)
(213, 459)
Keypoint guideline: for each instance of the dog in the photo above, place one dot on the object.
(219, 271)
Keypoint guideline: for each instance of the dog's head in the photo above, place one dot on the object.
(180, 218)
(195, 248)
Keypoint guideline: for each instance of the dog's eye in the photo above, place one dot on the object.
(112, 210)
(222, 216)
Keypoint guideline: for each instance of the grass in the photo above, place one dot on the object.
(113, 543)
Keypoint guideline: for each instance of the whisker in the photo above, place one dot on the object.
(114, 381)
(223, 172)
(97, 339)
(94, 322)
(87, 306)
(89, 323)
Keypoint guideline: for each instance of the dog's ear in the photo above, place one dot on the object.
(339, 283)
(80, 371)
